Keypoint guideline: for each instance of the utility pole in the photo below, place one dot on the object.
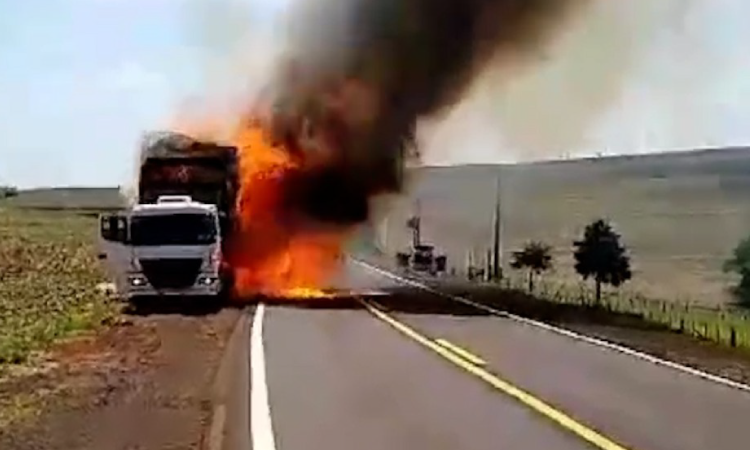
(496, 235)
(384, 235)
(417, 233)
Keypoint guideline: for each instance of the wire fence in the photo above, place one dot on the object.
(725, 325)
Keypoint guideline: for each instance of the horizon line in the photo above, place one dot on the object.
(601, 157)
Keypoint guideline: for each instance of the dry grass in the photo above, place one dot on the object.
(48, 277)
(679, 216)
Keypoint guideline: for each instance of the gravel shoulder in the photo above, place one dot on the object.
(143, 383)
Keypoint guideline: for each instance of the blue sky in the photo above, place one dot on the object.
(81, 79)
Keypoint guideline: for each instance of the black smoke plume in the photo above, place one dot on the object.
(362, 73)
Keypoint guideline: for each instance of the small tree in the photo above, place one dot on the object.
(599, 255)
(8, 191)
(536, 257)
(739, 263)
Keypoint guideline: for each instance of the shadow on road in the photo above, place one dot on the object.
(412, 300)
(402, 300)
(407, 300)
(183, 306)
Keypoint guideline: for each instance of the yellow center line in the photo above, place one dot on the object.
(465, 354)
(557, 416)
(377, 305)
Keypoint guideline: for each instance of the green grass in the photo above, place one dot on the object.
(724, 325)
(48, 278)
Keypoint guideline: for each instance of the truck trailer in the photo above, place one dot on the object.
(167, 242)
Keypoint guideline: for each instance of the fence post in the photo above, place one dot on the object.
(732, 336)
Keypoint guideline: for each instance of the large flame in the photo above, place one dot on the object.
(274, 252)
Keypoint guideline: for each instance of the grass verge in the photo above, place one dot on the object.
(728, 326)
(48, 278)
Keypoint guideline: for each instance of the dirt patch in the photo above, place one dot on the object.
(143, 383)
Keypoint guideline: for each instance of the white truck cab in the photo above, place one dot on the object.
(171, 247)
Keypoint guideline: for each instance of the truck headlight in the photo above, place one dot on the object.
(137, 280)
(207, 281)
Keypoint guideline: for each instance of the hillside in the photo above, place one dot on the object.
(680, 213)
(81, 198)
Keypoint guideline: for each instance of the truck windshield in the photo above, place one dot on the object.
(173, 229)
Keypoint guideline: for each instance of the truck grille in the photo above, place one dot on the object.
(171, 273)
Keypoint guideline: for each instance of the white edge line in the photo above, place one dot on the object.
(261, 426)
(571, 334)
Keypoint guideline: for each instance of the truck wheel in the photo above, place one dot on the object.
(227, 286)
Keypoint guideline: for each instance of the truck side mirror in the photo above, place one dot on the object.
(113, 228)
(121, 230)
(105, 227)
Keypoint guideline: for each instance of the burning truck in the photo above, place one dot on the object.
(288, 194)
(172, 163)
(174, 239)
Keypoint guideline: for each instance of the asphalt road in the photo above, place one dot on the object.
(363, 379)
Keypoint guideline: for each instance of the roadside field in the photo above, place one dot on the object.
(48, 278)
(680, 215)
(70, 360)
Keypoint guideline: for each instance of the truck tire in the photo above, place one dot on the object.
(227, 285)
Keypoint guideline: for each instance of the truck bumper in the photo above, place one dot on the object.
(197, 290)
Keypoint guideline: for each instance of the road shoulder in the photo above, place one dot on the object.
(144, 383)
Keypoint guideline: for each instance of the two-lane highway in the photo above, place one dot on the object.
(368, 379)
(341, 380)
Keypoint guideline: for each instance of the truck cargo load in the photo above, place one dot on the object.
(174, 168)
(174, 164)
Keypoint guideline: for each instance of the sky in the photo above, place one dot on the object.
(80, 80)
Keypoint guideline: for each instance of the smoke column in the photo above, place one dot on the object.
(364, 72)
(367, 76)
(691, 91)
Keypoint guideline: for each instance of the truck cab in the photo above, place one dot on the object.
(170, 247)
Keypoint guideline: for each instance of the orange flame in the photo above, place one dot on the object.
(272, 254)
